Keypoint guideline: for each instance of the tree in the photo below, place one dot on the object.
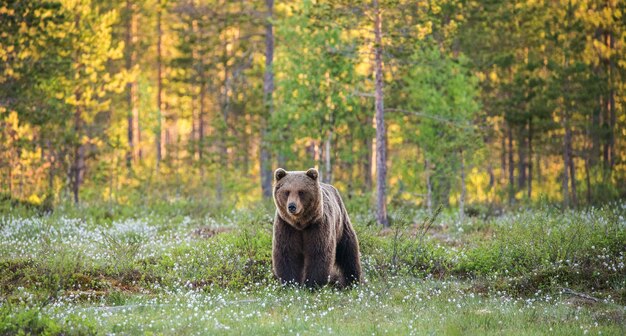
(33, 123)
(130, 55)
(90, 46)
(442, 95)
(268, 102)
(160, 129)
(319, 72)
(207, 86)
(381, 134)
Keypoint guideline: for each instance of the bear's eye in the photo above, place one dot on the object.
(286, 193)
(301, 193)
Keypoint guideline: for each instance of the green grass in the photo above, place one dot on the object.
(177, 271)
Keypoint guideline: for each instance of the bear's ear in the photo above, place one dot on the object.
(279, 173)
(312, 173)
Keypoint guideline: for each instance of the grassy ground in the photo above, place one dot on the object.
(172, 270)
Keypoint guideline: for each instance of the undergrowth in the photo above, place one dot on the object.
(89, 255)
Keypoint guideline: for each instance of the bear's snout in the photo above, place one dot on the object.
(292, 208)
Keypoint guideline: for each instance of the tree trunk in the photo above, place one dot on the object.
(22, 172)
(463, 188)
(381, 134)
(530, 158)
(605, 125)
(511, 167)
(539, 170)
(566, 158)
(572, 169)
(51, 162)
(131, 89)
(328, 173)
(223, 132)
(193, 137)
(588, 178)
(521, 160)
(79, 152)
(590, 152)
(137, 125)
(268, 90)
(111, 183)
(201, 116)
(503, 155)
(595, 132)
(202, 110)
(245, 141)
(595, 127)
(197, 80)
(10, 177)
(606, 117)
(612, 116)
(160, 124)
(492, 178)
(429, 187)
(367, 160)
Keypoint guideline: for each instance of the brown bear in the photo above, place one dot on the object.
(314, 243)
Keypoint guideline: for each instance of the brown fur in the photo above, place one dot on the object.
(317, 245)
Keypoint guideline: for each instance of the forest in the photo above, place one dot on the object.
(482, 102)
(479, 147)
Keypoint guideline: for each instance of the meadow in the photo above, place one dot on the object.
(181, 268)
(139, 142)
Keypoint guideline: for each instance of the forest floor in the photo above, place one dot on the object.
(169, 270)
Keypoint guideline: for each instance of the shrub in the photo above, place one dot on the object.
(541, 248)
(27, 321)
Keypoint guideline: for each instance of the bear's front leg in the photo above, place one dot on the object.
(319, 258)
(288, 268)
(287, 258)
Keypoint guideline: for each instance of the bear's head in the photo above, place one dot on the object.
(298, 196)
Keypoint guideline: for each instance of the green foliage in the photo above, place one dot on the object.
(27, 322)
(79, 82)
(182, 245)
(148, 263)
(10, 205)
(442, 99)
(227, 260)
(23, 320)
(318, 76)
(546, 249)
